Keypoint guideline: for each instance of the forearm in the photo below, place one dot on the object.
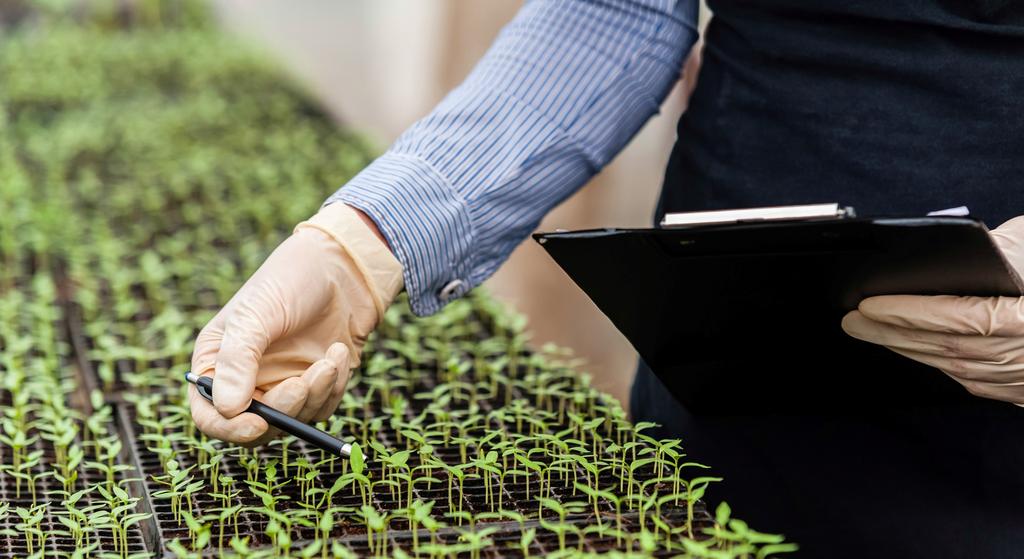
(562, 90)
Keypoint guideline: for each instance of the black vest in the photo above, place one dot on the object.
(892, 106)
(897, 108)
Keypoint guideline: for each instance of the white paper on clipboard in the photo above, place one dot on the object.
(773, 213)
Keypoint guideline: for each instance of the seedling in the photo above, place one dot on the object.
(375, 523)
(356, 477)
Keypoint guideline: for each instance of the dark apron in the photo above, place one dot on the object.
(894, 107)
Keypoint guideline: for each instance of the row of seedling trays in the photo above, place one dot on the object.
(496, 477)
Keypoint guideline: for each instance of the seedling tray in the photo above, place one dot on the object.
(16, 546)
(165, 528)
(32, 488)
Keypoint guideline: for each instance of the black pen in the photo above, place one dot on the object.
(282, 421)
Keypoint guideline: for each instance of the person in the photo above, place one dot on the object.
(892, 107)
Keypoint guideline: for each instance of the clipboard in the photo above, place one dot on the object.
(694, 299)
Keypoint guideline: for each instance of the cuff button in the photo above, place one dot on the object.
(450, 290)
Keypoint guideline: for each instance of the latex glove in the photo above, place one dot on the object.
(291, 335)
(978, 341)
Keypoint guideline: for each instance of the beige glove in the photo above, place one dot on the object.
(978, 341)
(294, 331)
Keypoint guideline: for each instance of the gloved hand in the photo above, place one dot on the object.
(291, 335)
(978, 341)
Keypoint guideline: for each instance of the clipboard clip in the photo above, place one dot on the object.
(773, 213)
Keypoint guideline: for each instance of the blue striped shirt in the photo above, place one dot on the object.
(560, 92)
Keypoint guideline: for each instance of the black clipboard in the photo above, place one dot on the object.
(690, 299)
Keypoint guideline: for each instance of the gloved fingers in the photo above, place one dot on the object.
(333, 401)
(985, 316)
(289, 396)
(337, 394)
(321, 378)
(207, 344)
(247, 333)
(241, 429)
(969, 370)
(995, 349)
(1012, 392)
(1002, 387)
(1009, 237)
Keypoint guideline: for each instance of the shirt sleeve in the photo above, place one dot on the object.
(561, 91)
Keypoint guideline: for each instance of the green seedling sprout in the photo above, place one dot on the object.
(177, 482)
(324, 526)
(27, 472)
(18, 440)
(416, 513)
(477, 540)
(485, 466)
(394, 469)
(72, 517)
(354, 477)
(30, 524)
(595, 497)
(225, 516)
(375, 523)
(558, 528)
(525, 540)
(199, 532)
(735, 535)
(695, 489)
(118, 516)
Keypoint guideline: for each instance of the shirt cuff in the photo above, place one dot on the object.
(378, 266)
(426, 223)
